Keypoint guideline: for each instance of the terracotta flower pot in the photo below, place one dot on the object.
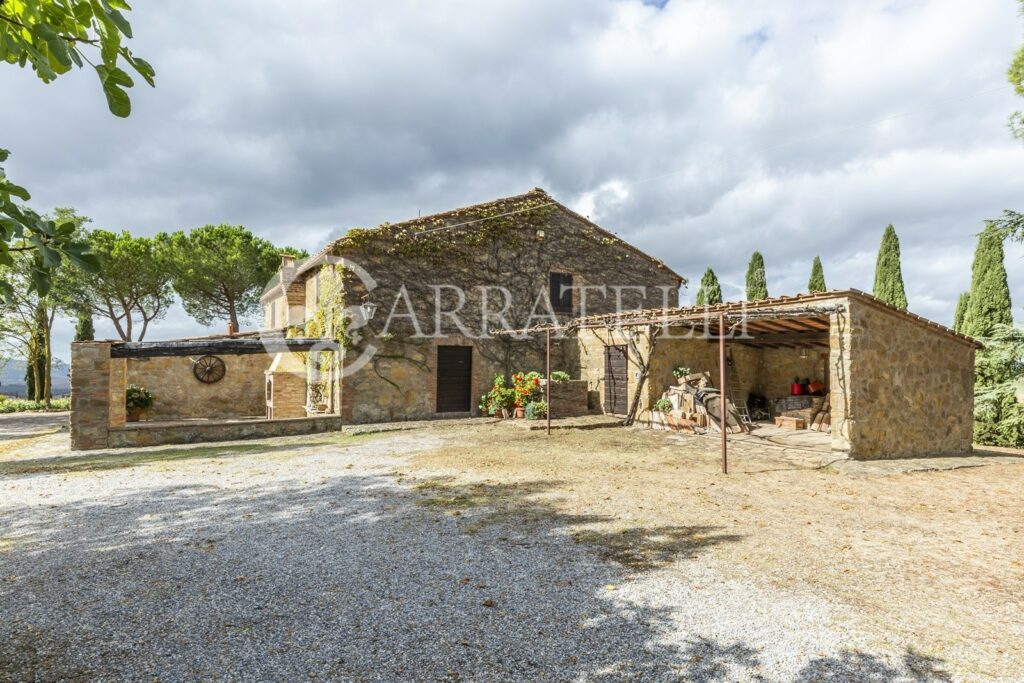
(133, 414)
(520, 412)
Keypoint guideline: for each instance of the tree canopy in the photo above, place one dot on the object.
(132, 287)
(757, 282)
(989, 302)
(998, 415)
(1011, 224)
(817, 281)
(52, 36)
(888, 272)
(710, 292)
(219, 271)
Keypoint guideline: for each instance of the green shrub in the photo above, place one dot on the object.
(136, 397)
(19, 405)
(536, 410)
(559, 376)
(663, 405)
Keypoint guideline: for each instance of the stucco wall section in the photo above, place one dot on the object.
(911, 390)
(177, 394)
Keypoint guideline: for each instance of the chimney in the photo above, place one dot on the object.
(287, 261)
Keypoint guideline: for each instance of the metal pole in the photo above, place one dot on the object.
(547, 385)
(721, 387)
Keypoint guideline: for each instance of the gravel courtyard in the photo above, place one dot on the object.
(477, 553)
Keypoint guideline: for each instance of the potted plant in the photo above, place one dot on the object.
(680, 372)
(526, 386)
(559, 376)
(136, 399)
(500, 400)
(536, 410)
(661, 407)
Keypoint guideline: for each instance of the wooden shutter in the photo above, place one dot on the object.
(454, 379)
(616, 380)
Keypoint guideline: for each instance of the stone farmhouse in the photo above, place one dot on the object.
(413, 320)
(520, 256)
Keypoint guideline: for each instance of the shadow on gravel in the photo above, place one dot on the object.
(119, 459)
(635, 548)
(348, 578)
(708, 660)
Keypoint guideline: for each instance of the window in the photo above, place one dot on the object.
(561, 292)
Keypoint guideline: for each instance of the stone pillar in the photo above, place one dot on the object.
(90, 395)
(840, 390)
(118, 385)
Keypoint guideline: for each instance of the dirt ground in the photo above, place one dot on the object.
(923, 557)
(921, 554)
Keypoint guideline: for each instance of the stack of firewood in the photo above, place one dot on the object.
(822, 420)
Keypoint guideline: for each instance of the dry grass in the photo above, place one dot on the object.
(934, 558)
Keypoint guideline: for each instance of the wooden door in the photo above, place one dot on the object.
(616, 380)
(454, 379)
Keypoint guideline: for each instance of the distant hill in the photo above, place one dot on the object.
(12, 378)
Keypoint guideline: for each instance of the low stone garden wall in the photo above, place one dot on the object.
(569, 398)
(143, 434)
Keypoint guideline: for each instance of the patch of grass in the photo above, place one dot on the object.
(451, 498)
(20, 405)
(644, 549)
(516, 505)
(111, 460)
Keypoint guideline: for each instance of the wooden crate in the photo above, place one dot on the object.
(790, 422)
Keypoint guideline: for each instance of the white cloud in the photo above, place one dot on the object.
(700, 130)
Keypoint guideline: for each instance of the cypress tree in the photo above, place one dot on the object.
(757, 283)
(961, 311)
(888, 274)
(710, 292)
(84, 330)
(989, 302)
(817, 281)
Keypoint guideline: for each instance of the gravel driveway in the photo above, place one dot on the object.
(316, 559)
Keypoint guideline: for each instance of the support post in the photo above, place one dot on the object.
(722, 390)
(547, 385)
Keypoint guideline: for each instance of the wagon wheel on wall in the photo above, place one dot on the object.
(208, 369)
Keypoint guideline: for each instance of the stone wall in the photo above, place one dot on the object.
(568, 399)
(516, 253)
(90, 395)
(153, 434)
(911, 389)
(779, 367)
(177, 394)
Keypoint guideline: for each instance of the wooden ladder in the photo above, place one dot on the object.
(732, 379)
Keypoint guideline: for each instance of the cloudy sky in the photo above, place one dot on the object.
(699, 131)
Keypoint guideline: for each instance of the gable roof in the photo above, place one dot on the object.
(468, 216)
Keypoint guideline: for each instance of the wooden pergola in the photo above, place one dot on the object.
(771, 324)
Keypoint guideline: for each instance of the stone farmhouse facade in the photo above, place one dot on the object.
(413, 320)
(505, 262)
